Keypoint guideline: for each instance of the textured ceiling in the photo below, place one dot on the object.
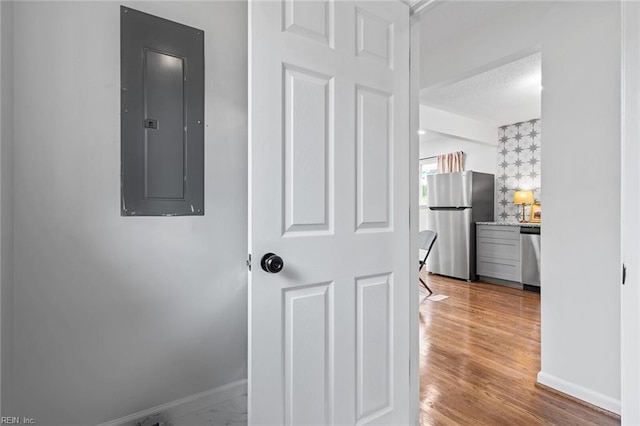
(500, 96)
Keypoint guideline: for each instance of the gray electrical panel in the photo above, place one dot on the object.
(162, 110)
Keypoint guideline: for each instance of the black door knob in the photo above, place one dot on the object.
(272, 263)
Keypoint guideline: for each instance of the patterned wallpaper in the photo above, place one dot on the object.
(518, 167)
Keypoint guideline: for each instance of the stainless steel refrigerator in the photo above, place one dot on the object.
(456, 201)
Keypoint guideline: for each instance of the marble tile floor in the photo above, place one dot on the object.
(232, 412)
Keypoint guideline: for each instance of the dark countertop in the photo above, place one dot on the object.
(525, 224)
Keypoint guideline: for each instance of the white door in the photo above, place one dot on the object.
(630, 302)
(329, 194)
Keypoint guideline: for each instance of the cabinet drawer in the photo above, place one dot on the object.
(497, 231)
(499, 268)
(498, 248)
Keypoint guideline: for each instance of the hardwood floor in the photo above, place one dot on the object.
(479, 356)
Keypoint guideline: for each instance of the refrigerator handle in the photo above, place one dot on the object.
(449, 208)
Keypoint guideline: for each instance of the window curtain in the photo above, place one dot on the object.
(450, 163)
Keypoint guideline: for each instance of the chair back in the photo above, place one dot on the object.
(426, 239)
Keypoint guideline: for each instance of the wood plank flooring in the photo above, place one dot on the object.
(479, 356)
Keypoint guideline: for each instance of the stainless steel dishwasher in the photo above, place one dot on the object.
(530, 255)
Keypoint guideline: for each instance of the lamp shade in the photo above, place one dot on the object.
(523, 197)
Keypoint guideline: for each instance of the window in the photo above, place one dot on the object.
(428, 166)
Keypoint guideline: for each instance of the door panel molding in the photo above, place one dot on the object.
(308, 331)
(374, 158)
(374, 317)
(374, 37)
(310, 19)
(308, 123)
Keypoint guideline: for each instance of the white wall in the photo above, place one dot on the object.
(581, 161)
(448, 123)
(6, 198)
(630, 292)
(114, 314)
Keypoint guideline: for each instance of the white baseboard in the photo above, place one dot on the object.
(189, 404)
(587, 395)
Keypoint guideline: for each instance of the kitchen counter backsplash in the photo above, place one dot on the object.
(525, 224)
(518, 167)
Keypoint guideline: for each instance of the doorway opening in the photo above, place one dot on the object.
(480, 330)
(484, 314)
(467, 47)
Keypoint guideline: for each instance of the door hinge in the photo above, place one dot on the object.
(624, 273)
(249, 261)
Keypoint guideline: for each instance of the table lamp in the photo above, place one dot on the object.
(524, 198)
